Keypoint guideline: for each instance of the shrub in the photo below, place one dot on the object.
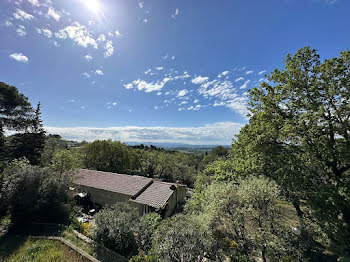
(34, 194)
(115, 228)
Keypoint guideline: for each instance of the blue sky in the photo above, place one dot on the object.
(158, 70)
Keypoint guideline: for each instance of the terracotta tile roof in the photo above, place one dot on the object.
(119, 183)
(155, 195)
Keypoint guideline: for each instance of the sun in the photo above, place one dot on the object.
(93, 5)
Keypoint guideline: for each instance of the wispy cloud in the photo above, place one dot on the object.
(182, 92)
(200, 80)
(79, 34)
(239, 79)
(109, 49)
(34, 2)
(99, 72)
(22, 15)
(249, 72)
(147, 86)
(262, 72)
(54, 14)
(174, 15)
(19, 57)
(245, 85)
(210, 134)
(45, 32)
(21, 30)
(140, 4)
(225, 73)
(88, 58)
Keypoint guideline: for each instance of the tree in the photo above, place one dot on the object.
(107, 155)
(15, 114)
(182, 238)
(115, 228)
(30, 143)
(51, 145)
(244, 217)
(64, 161)
(299, 135)
(33, 194)
(144, 230)
(15, 110)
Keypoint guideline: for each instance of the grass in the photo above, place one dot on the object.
(21, 249)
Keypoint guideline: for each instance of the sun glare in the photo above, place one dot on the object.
(92, 5)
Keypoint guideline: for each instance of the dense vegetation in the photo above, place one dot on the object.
(280, 193)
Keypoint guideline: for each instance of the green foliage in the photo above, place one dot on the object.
(142, 257)
(115, 228)
(182, 238)
(107, 155)
(298, 134)
(16, 113)
(144, 230)
(52, 144)
(64, 161)
(33, 194)
(244, 217)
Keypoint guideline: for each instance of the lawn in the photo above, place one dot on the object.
(17, 249)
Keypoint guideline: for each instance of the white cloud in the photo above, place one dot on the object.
(86, 74)
(200, 80)
(210, 134)
(176, 13)
(21, 15)
(79, 34)
(8, 23)
(148, 71)
(109, 49)
(262, 72)
(182, 92)
(223, 74)
(173, 57)
(147, 87)
(140, 4)
(54, 14)
(196, 101)
(21, 30)
(245, 85)
(145, 20)
(45, 31)
(101, 38)
(117, 33)
(88, 58)
(227, 95)
(34, 2)
(249, 72)
(114, 103)
(239, 79)
(19, 57)
(99, 72)
(159, 68)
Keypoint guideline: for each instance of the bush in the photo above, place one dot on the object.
(145, 229)
(33, 194)
(182, 238)
(115, 228)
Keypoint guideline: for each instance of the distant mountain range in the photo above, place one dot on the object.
(174, 145)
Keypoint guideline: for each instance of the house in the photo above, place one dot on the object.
(146, 194)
